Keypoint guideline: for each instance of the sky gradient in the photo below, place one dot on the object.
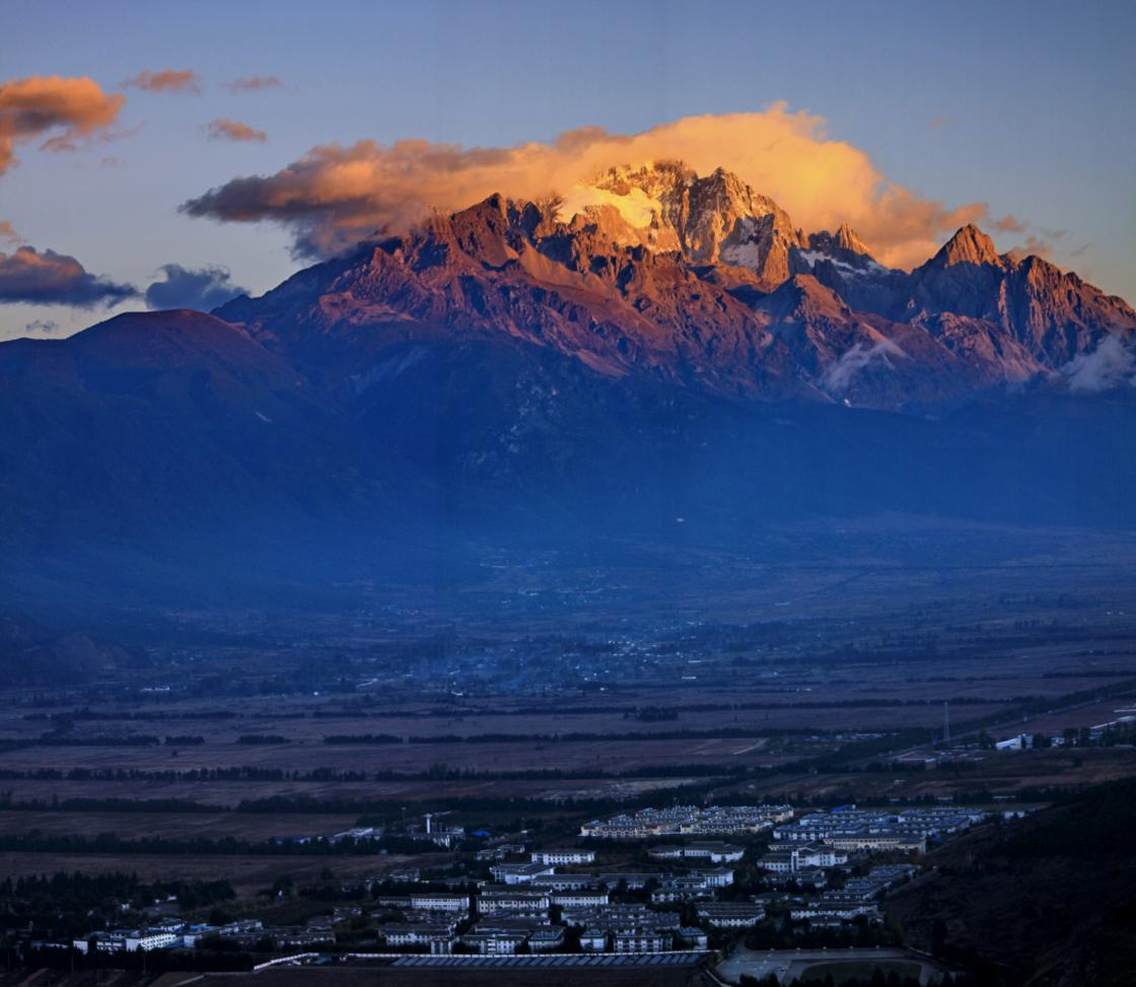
(1027, 107)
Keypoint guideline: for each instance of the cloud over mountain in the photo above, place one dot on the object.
(1112, 364)
(61, 110)
(165, 81)
(49, 278)
(336, 194)
(203, 288)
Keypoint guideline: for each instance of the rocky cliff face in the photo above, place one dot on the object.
(1053, 314)
(716, 219)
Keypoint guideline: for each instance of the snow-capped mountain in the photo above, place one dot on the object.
(586, 348)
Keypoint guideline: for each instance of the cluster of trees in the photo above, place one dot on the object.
(111, 843)
(56, 739)
(878, 978)
(72, 904)
(728, 733)
(56, 804)
(119, 715)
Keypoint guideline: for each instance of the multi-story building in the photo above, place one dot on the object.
(690, 820)
(546, 940)
(438, 936)
(714, 877)
(714, 852)
(905, 828)
(128, 941)
(520, 873)
(512, 901)
(790, 859)
(593, 940)
(499, 936)
(429, 901)
(640, 941)
(563, 882)
(579, 899)
(562, 857)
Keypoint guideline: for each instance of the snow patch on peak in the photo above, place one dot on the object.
(637, 208)
(814, 257)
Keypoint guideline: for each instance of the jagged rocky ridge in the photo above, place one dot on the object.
(699, 282)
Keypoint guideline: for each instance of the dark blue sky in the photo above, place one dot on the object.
(1028, 107)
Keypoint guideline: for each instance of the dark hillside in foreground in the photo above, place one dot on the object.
(1048, 903)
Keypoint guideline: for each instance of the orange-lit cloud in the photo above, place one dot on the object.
(234, 130)
(1009, 224)
(67, 109)
(49, 278)
(1034, 246)
(253, 83)
(334, 195)
(8, 232)
(166, 81)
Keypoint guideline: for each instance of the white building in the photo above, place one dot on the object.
(563, 882)
(715, 877)
(504, 901)
(438, 936)
(579, 899)
(714, 852)
(593, 940)
(562, 857)
(439, 902)
(640, 941)
(520, 873)
(792, 859)
(129, 941)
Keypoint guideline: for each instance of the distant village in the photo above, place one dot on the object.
(710, 873)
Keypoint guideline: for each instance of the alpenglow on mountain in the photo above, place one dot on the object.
(657, 344)
(698, 281)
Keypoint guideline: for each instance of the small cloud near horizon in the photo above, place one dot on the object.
(1034, 246)
(49, 278)
(1010, 224)
(203, 289)
(165, 81)
(253, 83)
(8, 232)
(233, 130)
(43, 327)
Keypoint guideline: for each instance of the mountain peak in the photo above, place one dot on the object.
(969, 245)
(710, 219)
(848, 239)
(844, 245)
